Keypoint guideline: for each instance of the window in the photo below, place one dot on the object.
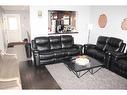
(13, 24)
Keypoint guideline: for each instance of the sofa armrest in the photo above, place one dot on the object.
(88, 46)
(80, 47)
(33, 44)
(35, 50)
(122, 47)
(36, 56)
(117, 55)
(114, 53)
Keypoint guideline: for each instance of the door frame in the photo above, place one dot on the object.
(19, 25)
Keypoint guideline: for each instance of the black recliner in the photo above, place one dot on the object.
(103, 48)
(52, 49)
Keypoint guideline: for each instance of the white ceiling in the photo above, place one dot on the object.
(12, 8)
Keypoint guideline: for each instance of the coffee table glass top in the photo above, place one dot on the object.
(93, 63)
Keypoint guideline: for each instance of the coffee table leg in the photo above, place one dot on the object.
(78, 74)
(93, 72)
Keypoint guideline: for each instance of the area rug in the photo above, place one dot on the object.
(103, 79)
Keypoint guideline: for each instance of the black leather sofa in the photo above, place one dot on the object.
(52, 49)
(103, 48)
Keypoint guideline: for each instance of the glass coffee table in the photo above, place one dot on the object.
(80, 70)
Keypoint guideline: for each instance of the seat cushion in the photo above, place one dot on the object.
(46, 55)
(47, 61)
(72, 51)
(122, 64)
(98, 54)
(59, 53)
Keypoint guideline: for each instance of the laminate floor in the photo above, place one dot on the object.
(36, 78)
(31, 76)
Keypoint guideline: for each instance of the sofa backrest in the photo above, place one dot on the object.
(53, 42)
(113, 44)
(101, 42)
(67, 41)
(110, 44)
(42, 43)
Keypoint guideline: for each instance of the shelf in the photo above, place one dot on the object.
(63, 33)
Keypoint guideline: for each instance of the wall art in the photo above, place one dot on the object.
(124, 24)
(102, 21)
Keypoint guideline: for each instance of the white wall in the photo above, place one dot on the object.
(2, 44)
(115, 16)
(39, 25)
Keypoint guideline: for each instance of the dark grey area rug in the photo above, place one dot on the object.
(103, 79)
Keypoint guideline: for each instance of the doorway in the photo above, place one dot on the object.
(13, 27)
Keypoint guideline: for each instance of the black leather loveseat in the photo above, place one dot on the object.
(52, 49)
(103, 48)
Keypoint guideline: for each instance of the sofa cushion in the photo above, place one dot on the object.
(100, 55)
(72, 51)
(101, 42)
(67, 41)
(59, 53)
(46, 55)
(55, 42)
(113, 44)
(47, 61)
(66, 52)
(42, 43)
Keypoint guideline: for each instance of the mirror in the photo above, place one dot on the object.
(61, 21)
